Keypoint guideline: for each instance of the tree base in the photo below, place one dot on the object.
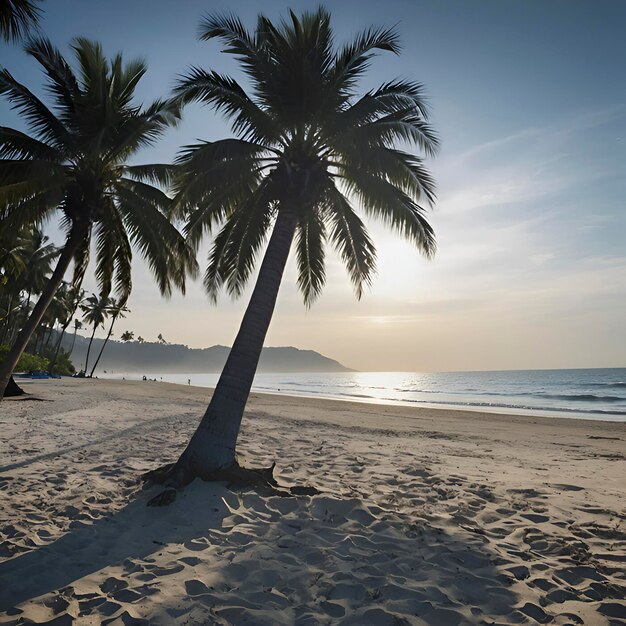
(13, 389)
(235, 476)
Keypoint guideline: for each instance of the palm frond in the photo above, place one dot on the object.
(18, 18)
(310, 256)
(395, 208)
(351, 240)
(38, 116)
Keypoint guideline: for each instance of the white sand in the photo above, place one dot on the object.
(426, 517)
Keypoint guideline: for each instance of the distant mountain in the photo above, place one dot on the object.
(152, 358)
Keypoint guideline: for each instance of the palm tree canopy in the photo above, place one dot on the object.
(40, 254)
(18, 17)
(116, 309)
(75, 160)
(95, 310)
(305, 143)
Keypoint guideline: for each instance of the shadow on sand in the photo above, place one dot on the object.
(215, 556)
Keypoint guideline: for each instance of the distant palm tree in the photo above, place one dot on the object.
(95, 309)
(77, 326)
(55, 314)
(161, 339)
(309, 151)
(127, 335)
(140, 339)
(73, 296)
(115, 310)
(76, 161)
(18, 18)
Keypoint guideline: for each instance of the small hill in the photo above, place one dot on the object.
(147, 358)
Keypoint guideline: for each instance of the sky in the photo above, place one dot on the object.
(529, 101)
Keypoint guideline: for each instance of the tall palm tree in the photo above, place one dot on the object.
(95, 310)
(55, 314)
(77, 325)
(115, 310)
(308, 153)
(18, 18)
(75, 161)
(72, 297)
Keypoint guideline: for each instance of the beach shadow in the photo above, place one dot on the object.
(215, 554)
(124, 433)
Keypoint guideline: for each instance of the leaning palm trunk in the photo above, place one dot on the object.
(102, 349)
(212, 447)
(14, 354)
(95, 326)
(73, 342)
(57, 348)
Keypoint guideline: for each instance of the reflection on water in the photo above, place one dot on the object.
(588, 393)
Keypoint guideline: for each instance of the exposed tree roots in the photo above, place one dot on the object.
(175, 476)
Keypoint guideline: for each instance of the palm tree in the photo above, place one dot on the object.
(140, 339)
(72, 297)
(77, 325)
(56, 313)
(76, 162)
(95, 309)
(26, 259)
(41, 256)
(115, 310)
(13, 262)
(127, 335)
(161, 339)
(18, 18)
(308, 152)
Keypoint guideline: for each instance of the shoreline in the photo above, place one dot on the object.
(615, 418)
(409, 411)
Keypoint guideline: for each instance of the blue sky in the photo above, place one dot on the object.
(529, 99)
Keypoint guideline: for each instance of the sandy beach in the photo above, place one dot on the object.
(425, 516)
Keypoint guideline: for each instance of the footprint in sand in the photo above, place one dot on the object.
(534, 517)
(196, 588)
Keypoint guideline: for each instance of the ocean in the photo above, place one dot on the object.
(577, 393)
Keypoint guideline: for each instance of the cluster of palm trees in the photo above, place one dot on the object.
(26, 260)
(96, 311)
(309, 157)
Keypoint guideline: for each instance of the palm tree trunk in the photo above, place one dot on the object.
(57, 348)
(6, 327)
(212, 446)
(102, 349)
(73, 341)
(95, 326)
(8, 365)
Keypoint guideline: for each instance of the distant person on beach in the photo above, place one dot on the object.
(189, 381)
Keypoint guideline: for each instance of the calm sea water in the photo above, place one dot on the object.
(582, 393)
